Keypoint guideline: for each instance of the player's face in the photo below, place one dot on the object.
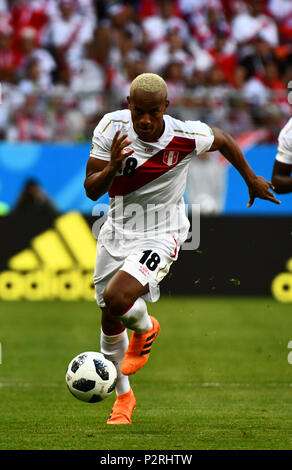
(147, 111)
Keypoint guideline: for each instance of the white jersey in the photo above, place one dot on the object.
(146, 196)
(284, 154)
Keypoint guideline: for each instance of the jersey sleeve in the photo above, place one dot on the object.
(284, 154)
(101, 140)
(204, 136)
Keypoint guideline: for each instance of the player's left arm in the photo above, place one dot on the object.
(257, 185)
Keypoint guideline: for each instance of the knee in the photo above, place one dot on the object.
(117, 302)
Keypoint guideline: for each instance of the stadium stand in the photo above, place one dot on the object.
(63, 64)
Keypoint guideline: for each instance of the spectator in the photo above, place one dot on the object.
(196, 7)
(201, 58)
(256, 56)
(123, 18)
(33, 200)
(12, 100)
(254, 23)
(91, 72)
(33, 15)
(255, 93)
(65, 119)
(171, 50)
(270, 77)
(65, 63)
(69, 34)
(3, 6)
(34, 81)
(27, 50)
(174, 78)
(206, 23)
(217, 93)
(239, 117)
(224, 55)
(120, 85)
(123, 50)
(158, 26)
(8, 57)
(29, 121)
(281, 10)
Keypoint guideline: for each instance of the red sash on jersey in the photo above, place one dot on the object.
(177, 149)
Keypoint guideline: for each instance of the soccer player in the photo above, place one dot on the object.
(140, 156)
(282, 170)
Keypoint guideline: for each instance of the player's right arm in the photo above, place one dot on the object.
(101, 173)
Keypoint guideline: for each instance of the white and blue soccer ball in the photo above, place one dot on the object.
(91, 377)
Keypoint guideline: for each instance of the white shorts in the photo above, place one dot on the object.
(148, 260)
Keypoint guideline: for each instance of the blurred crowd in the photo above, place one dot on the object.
(65, 63)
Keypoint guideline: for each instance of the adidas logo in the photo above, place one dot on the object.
(58, 264)
(281, 286)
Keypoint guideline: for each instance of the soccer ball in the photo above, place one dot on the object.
(91, 377)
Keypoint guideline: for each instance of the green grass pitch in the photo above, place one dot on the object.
(218, 378)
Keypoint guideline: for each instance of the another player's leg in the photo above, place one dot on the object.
(113, 344)
(122, 298)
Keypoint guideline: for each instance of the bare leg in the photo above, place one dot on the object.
(121, 293)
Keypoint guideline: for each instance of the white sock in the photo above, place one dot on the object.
(114, 348)
(137, 318)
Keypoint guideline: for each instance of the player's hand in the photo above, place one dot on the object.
(261, 188)
(118, 155)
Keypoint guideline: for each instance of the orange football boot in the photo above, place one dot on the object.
(123, 409)
(139, 349)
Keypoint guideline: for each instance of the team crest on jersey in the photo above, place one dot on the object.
(170, 157)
